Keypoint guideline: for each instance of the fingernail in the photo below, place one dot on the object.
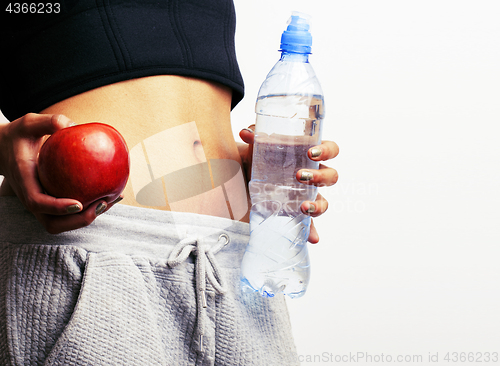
(73, 209)
(249, 130)
(306, 175)
(311, 208)
(100, 208)
(315, 152)
(117, 200)
(72, 124)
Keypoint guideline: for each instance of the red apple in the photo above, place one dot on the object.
(86, 162)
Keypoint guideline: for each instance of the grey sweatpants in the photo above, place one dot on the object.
(137, 287)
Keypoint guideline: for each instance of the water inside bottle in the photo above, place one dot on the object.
(276, 259)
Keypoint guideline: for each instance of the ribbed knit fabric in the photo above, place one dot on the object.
(51, 57)
(105, 295)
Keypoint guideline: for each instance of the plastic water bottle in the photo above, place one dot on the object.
(290, 110)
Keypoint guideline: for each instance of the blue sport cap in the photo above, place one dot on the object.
(297, 38)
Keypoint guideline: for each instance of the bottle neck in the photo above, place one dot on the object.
(294, 57)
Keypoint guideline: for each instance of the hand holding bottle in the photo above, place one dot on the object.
(323, 177)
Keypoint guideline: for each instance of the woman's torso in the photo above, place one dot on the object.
(178, 130)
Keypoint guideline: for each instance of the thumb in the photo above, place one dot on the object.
(247, 134)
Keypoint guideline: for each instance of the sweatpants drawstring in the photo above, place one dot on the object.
(206, 268)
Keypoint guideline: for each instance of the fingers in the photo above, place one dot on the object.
(25, 138)
(315, 208)
(58, 224)
(326, 151)
(109, 205)
(324, 176)
(313, 234)
(20, 145)
(31, 193)
(38, 125)
(43, 204)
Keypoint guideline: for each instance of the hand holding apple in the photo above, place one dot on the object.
(86, 162)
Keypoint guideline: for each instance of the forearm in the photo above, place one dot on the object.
(3, 128)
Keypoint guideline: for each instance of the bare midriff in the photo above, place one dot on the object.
(178, 131)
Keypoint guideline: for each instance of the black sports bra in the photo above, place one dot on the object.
(90, 43)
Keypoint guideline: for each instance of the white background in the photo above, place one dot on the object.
(409, 257)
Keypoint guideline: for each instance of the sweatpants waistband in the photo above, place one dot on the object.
(128, 230)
